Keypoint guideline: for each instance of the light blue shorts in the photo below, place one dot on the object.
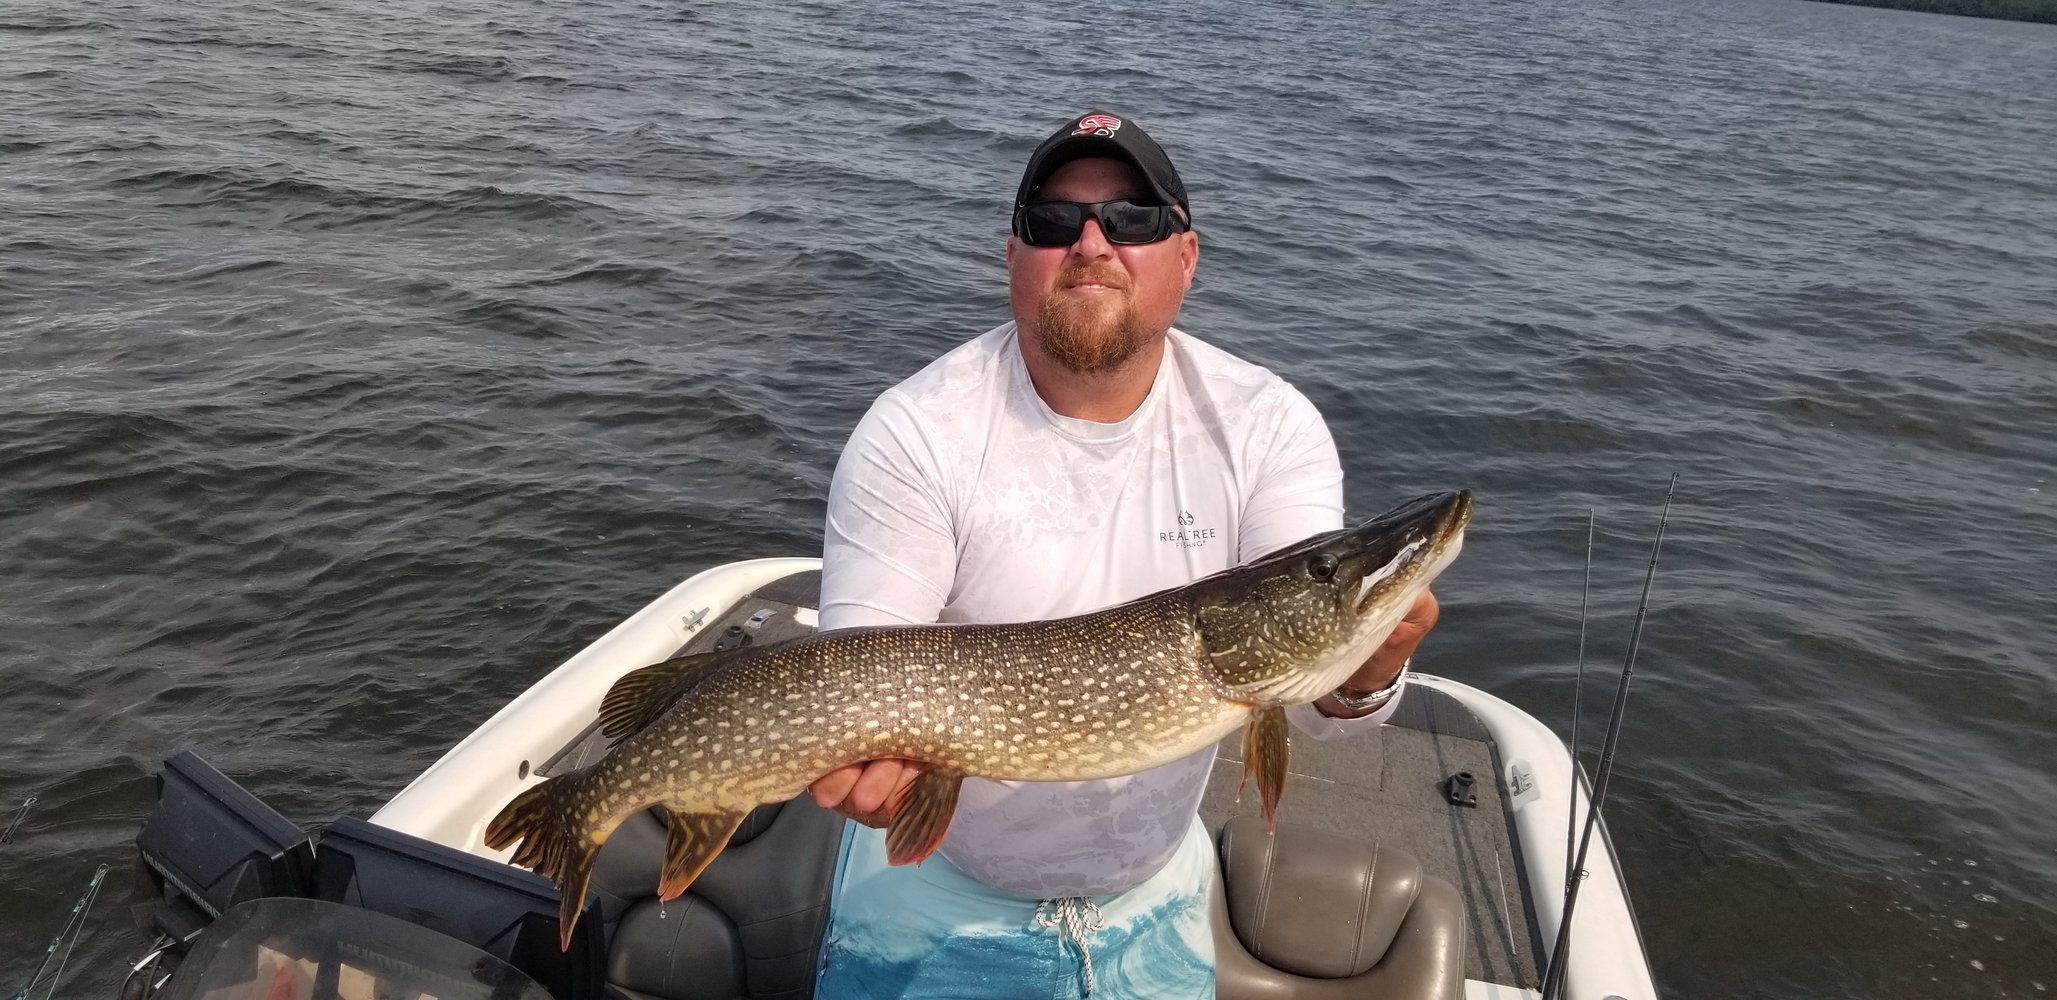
(929, 930)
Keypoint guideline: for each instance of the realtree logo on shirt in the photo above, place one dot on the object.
(1187, 536)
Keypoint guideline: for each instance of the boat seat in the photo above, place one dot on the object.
(749, 928)
(1299, 914)
(1308, 914)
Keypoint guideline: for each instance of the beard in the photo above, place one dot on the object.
(1089, 337)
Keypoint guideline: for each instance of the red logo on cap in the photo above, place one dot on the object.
(1100, 125)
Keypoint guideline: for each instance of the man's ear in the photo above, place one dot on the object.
(1189, 255)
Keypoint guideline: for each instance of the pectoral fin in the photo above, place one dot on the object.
(643, 694)
(694, 840)
(1266, 754)
(921, 815)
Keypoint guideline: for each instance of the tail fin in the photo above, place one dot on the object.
(546, 819)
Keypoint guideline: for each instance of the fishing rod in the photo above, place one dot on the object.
(1553, 977)
(1578, 688)
(11, 827)
(75, 927)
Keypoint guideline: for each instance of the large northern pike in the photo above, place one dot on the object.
(711, 736)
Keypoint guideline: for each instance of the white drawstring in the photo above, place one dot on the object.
(1075, 915)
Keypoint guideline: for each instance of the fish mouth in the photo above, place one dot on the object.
(1292, 626)
(1404, 548)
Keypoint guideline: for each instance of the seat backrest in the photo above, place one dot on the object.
(750, 928)
(1302, 913)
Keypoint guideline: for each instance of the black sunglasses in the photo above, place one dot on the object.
(1058, 223)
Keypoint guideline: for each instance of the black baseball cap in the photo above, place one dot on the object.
(1099, 133)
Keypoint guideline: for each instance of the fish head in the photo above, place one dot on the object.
(1292, 626)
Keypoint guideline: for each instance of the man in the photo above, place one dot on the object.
(1082, 455)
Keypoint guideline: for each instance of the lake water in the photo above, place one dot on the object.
(359, 362)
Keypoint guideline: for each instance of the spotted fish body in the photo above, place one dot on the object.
(1113, 692)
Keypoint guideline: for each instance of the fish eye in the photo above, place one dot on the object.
(1322, 567)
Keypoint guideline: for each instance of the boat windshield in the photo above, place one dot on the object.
(305, 949)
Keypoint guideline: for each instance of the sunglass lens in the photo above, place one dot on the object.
(1052, 223)
(1128, 222)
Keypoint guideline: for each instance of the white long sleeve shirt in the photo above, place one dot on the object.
(962, 497)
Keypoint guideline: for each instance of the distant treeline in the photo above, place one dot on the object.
(2012, 10)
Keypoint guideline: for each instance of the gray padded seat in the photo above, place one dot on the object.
(749, 928)
(1309, 914)
(1302, 914)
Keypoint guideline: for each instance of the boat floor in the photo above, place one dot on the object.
(1384, 785)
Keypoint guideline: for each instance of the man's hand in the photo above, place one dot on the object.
(1379, 672)
(861, 791)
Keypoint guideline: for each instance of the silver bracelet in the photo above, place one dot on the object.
(1373, 699)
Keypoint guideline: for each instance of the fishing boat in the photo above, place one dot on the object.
(1426, 859)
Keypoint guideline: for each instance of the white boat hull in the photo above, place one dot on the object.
(452, 801)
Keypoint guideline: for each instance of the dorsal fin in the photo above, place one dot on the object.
(643, 694)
